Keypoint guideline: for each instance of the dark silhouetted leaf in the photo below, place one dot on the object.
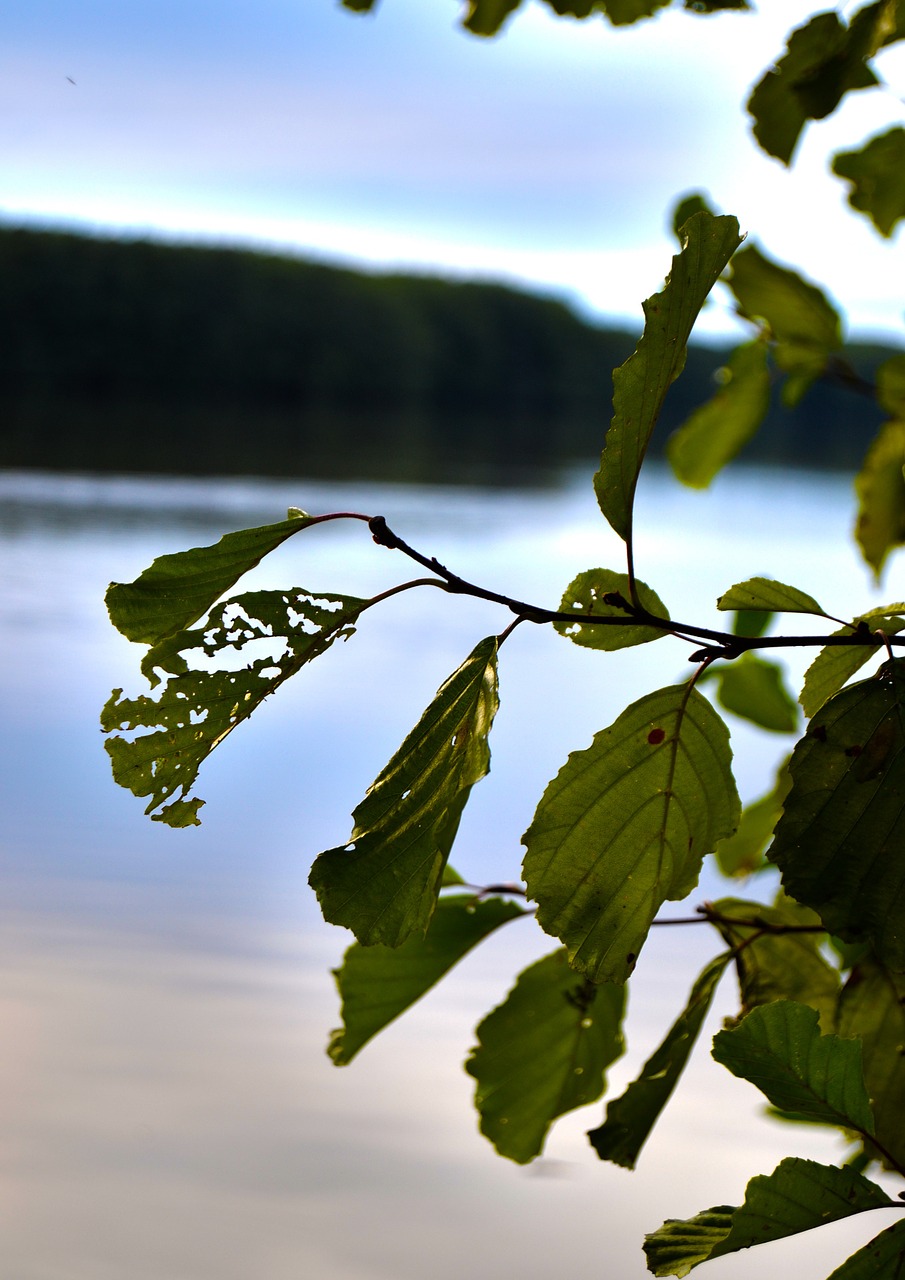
(686, 208)
(742, 854)
(198, 707)
(630, 1119)
(640, 385)
(542, 1053)
(485, 17)
(891, 383)
(779, 1048)
(780, 966)
(719, 429)
(840, 843)
(880, 486)
(625, 825)
(803, 324)
(765, 593)
(797, 1196)
(824, 59)
(836, 664)
(384, 885)
(872, 1007)
(177, 589)
(586, 595)
(377, 983)
(877, 175)
(883, 1258)
(754, 688)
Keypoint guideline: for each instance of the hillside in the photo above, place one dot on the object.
(140, 356)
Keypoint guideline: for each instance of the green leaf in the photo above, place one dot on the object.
(880, 486)
(824, 59)
(542, 1053)
(198, 707)
(779, 1048)
(640, 385)
(891, 386)
(836, 664)
(177, 589)
(754, 688)
(631, 1118)
(883, 1258)
(622, 13)
(797, 1196)
(804, 325)
(718, 430)
(715, 6)
(587, 594)
(687, 207)
(779, 966)
(742, 854)
(872, 1007)
(877, 175)
(624, 826)
(485, 17)
(764, 593)
(751, 622)
(359, 6)
(384, 885)
(377, 983)
(840, 843)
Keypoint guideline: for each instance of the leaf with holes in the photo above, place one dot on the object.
(201, 704)
(641, 384)
(587, 594)
(625, 825)
(177, 589)
(840, 843)
(377, 984)
(797, 1196)
(384, 885)
(631, 1118)
(544, 1052)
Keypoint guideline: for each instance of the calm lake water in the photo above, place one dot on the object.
(167, 1111)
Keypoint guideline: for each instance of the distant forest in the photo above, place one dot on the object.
(133, 356)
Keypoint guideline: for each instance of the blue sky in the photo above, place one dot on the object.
(550, 155)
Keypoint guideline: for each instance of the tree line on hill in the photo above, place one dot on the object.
(136, 356)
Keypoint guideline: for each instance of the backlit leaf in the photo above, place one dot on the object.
(877, 175)
(797, 1196)
(880, 486)
(200, 705)
(778, 1047)
(631, 1118)
(542, 1053)
(779, 966)
(840, 843)
(805, 327)
(585, 595)
(625, 824)
(824, 59)
(717, 431)
(742, 853)
(485, 17)
(883, 1258)
(384, 885)
(686, 208)
(754, 688)
(765, 593)
(177, 589)
(872, 1007)
(377, 983)
(836, 664)
(641, 384)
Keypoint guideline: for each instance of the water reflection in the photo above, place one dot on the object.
(167, 1109)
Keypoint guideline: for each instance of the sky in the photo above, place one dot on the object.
(550, 156)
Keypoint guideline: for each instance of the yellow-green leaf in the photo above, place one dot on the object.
(880, 486)
(587, 594)
(877, 177)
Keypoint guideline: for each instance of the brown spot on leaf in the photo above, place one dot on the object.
(853, 750)
(656, 736)
(819, 732)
